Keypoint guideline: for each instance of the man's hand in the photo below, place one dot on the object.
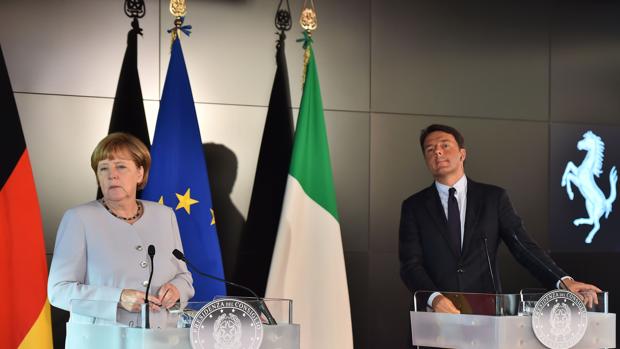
(586, 292)
(441, 304)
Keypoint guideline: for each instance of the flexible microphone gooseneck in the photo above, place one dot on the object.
(151, 252)
(537, 260)
(261, 304)
(499, 299)
(486, 251)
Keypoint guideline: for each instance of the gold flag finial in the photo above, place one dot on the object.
(308, 18)
(309, 22)
(178, 8)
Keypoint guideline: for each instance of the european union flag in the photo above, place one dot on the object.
(179, 179)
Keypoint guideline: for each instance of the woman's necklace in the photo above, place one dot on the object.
(138, 213)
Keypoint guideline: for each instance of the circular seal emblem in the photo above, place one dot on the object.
(226, 323)
(559, 319)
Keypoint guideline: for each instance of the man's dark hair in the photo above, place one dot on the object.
(443, 128)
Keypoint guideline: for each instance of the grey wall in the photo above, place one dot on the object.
(502, 72)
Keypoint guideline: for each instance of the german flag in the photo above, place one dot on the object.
(25, 320)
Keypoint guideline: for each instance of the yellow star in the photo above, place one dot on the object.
(161, 200)
(185, 201)
(212, 217)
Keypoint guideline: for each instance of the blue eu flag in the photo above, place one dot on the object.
(178, 177)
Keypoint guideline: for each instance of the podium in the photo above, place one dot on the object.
(489, 321)
(100, 324)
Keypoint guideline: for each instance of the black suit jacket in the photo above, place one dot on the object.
(427, 262)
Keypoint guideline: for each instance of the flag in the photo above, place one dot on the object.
(178, 177)
(274, 158)
(128, 110)
(308, 259)
(26, 319)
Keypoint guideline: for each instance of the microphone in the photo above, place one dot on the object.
(261, 304)
(151, 252)
(486, 251)
(499, 299)
(540, 263)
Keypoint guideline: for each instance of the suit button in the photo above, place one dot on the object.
(139, 248)
(460, 271)
(143, 264)
(145, 283)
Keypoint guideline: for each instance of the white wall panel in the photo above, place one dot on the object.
(61, 133)
(75, 47)
(239, 129)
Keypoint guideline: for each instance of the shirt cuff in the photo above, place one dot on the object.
(431, 298)
(559, 283)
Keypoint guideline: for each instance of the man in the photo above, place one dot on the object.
(445, 227)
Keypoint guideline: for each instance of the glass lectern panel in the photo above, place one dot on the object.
(111, 325)
(521, 303)
(179, 316)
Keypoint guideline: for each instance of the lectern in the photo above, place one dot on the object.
(105, 325)
(492, 321)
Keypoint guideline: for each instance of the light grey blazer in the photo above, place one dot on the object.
(97, 255)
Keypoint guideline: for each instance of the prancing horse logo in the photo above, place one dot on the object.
(583, 178)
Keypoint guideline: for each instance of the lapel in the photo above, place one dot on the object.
(435, 210)
(472, 213)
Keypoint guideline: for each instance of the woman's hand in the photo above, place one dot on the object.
(169, 295)
(132, 300)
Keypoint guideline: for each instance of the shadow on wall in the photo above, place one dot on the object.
(222, 167)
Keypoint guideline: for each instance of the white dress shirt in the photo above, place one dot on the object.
(461, 199)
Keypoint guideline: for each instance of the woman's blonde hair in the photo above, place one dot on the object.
(117, 142)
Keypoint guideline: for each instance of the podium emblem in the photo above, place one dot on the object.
(226, 324)
(559, 319)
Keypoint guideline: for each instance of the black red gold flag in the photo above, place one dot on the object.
(25, 321)
(128, 111)
(259, 235)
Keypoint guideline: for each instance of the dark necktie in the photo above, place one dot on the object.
(454, 221)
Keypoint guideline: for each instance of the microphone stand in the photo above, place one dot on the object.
(498, 298)
(147, 322)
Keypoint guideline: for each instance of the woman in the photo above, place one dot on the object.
(100, 258)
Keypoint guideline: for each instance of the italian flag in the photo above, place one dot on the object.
(25, 321)
(308, 261)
